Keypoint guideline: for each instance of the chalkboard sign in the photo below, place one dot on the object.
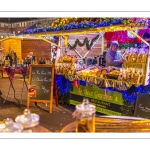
(142, 107)
(41, 77)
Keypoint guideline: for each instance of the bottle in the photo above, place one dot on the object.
(39, 61)
(85, 117)
(36, 61)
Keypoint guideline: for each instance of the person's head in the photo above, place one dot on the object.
(28, 56)
(114, 46)
(31, 53)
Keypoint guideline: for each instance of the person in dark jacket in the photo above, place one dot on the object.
(113, 56)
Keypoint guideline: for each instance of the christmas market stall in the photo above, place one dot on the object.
(79, 72)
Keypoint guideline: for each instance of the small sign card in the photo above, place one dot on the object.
(32, 90)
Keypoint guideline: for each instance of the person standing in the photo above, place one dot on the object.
(113, 56)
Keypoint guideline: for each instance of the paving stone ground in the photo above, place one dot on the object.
(60, 117)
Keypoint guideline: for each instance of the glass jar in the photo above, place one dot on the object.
(29, 121)
(10, 126)
(85, 117)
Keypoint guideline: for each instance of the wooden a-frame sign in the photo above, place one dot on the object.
(41, 81)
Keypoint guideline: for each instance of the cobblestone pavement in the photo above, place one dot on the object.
(60, 117)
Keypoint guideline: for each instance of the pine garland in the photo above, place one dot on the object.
(128, 45)
(85, 41)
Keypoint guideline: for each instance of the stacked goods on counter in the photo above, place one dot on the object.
(67, 58)
(68, 64)
(99, 71)
(135, 76)
(134, 68)
(136, 55)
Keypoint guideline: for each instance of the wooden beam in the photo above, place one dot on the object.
(139, 37)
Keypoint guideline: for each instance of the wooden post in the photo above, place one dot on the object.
(102, 50)
(66, 41)
(140, 38)
(59, 49)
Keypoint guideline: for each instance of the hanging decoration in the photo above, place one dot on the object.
(129, 45)
(122, 37)
(85, 42)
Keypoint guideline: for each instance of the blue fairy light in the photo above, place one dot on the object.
(58, 29)
(67, 27)
(42, 30)
(80, 25)
(35, 30)
(49, 28)
(90, 24)
(73, 26)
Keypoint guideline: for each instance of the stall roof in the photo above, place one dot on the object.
(72, 26)
(20, 38)
(88, 31)
(30, 38)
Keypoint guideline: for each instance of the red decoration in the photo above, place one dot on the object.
(122, 37)
(75, 83)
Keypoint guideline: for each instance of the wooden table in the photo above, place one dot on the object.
(122, 124)
(38, 129)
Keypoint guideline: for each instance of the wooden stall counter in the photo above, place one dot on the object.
(115, 124)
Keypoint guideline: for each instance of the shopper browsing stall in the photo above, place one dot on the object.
(113, 56)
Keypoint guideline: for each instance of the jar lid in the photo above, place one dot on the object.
(11, 126)
(85, 106)
(28, 119)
